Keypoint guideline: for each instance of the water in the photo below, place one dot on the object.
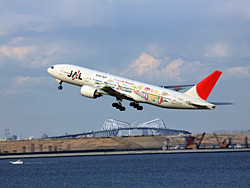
(161, 170)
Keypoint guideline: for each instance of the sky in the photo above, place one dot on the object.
(157, 42)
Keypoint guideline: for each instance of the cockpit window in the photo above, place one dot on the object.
(52, 67)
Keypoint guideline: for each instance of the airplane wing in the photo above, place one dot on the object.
(116, 93)
(120, 96)
(178, 87)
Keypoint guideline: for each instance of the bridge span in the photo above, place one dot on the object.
(112, 127)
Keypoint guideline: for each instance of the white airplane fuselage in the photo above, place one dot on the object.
(95, 84)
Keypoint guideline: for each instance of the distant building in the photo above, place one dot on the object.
(14, 137)
(7, 134)
(45, 135)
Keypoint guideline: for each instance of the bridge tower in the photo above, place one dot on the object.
(156, 123)
(111, 126)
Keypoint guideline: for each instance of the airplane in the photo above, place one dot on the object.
(95, 84)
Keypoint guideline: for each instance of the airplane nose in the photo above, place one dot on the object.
(49, 70)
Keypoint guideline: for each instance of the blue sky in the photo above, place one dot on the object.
(159, 42)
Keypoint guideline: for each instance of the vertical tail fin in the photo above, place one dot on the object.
(204, 87)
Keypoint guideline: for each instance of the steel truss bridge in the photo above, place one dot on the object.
(112, 127)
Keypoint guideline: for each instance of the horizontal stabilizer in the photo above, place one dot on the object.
(178, 87)
(222, 103)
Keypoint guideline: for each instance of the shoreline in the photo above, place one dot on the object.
(123, 152)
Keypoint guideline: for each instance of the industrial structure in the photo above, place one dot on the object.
(222, 143)
(194, 142)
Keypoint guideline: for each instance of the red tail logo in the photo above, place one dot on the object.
(205, 87)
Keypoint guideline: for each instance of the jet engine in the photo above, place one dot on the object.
(90, 92)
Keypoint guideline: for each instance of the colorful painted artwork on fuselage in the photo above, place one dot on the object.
(150, 94)
(110, 84)
(101, 76)
(146, 93)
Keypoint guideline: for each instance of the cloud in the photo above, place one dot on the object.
(149, 68)
(84, 13)
(29, 81)
(218, 50)
(145, 64)
(16, 21)
(230, 9)
(21, 80)
(27, 53)
(19, 53)
(46, 16)
(173, 69)
(25, 85)
(155, 49)
(45, 58)
(239, 72)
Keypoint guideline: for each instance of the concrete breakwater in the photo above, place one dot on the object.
(125, 152)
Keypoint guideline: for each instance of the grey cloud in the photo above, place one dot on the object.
(25, 85)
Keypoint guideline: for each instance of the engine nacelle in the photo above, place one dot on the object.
(90, 92)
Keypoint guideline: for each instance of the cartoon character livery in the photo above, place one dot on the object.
(95, 84)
